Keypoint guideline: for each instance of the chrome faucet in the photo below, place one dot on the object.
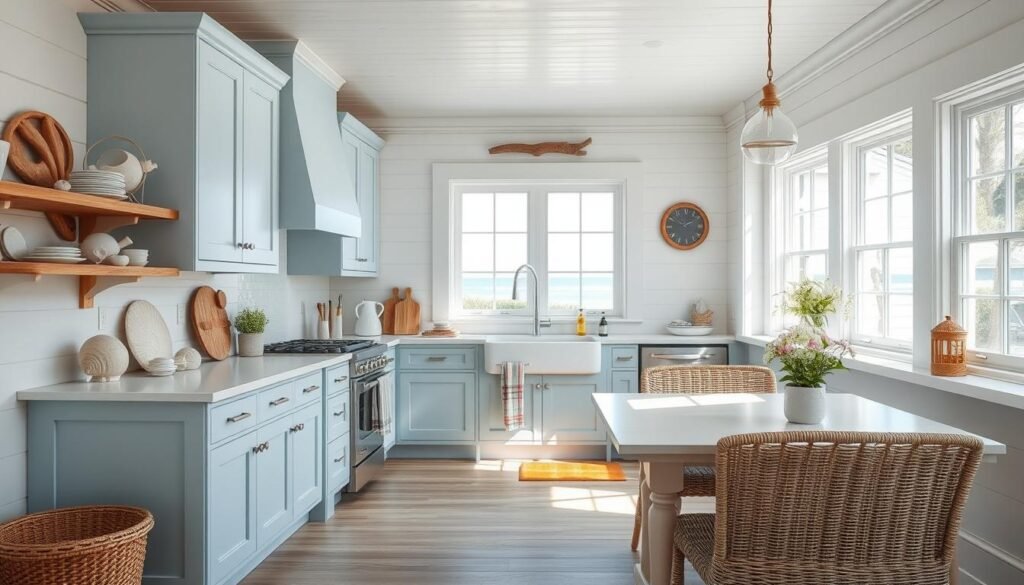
(536, 303)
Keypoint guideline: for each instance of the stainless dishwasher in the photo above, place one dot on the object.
(683, 355)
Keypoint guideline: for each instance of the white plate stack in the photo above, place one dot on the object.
(96, 182)
(55, 255)
(161, 367)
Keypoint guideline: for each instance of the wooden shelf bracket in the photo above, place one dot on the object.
(92, 224)
(90, 286)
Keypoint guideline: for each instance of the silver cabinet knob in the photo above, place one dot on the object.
(547, 386)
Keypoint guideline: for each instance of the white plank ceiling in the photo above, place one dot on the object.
(434, 58)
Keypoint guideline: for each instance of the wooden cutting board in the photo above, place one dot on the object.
(388, 325)
(407, 315)
(210, 322)
(41, 154)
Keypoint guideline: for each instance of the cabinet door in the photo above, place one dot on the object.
(350, 158)
(232, 510)
(219, 171)
(622, 381)
(273, 484)
(568, 414)
(367, 191)
(437, 407)
(259, 172)
(306, 437)
(492, 410)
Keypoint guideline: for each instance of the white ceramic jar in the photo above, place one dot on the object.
(804, 405)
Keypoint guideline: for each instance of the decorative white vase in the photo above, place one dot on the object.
(250, 344)
(805, 406)
(103, 358)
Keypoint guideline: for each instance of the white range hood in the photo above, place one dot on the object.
(317, 189)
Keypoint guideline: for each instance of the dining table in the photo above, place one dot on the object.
(667, 432)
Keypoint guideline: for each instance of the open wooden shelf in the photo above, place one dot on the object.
(92, 278)
(95, 214)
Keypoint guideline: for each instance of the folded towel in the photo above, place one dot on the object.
(387, 393)
(512, 381)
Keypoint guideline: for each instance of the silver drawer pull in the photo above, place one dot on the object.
(340, 380)
(362, 260)
(681, 357)
(264, 446)
(298, 427)
(239, 417)
(309, 389)
(437, 358)
(279, 401)
(340, 459)
(624, 358)
(340, 413)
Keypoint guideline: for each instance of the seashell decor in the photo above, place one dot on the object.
(103, 358)
(188, 358)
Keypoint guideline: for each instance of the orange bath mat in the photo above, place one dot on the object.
(570, 471)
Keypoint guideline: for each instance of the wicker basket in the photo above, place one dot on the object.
(89, 545)
(701, 319)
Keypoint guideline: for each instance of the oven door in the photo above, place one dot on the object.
(368, 424)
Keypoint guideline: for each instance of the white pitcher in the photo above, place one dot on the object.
(368, 318)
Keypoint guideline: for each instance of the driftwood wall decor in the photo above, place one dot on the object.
(573, 148)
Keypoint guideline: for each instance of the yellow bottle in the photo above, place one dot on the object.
(581, 324)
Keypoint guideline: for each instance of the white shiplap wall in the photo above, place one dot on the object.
(684, 159)
(43, 67)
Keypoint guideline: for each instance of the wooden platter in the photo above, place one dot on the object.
(42, 154)
(210, 322)
(407, 315)
(388, 317)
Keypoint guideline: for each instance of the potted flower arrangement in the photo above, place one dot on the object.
(250, 324)
(805, 351)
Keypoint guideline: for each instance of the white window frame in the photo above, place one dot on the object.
(1002, 92)
(854, 150)
(450, 178)
(780, 225)
(537, 247)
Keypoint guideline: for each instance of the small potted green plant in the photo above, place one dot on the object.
(805, 351)
(250, 324)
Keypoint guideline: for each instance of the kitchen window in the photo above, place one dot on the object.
(881, 257)
(571, 234)
(987, 247)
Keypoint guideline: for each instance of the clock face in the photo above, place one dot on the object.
(684, 226)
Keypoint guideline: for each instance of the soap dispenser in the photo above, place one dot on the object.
(581, 324)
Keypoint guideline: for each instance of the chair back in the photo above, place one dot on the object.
(840, 507)
(707, 379)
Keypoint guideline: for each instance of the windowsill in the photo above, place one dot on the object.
(520, 319)
(972, 386)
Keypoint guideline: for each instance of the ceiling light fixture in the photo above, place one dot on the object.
(769, 137)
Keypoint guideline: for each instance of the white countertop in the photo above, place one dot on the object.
(666, 425)
(212, 382)
(632, 339)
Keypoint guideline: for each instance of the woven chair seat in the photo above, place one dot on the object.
(695, 537)
(698, 481)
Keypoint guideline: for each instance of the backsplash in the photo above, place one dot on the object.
(684, 159)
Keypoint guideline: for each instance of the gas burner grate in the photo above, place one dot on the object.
(318, 346)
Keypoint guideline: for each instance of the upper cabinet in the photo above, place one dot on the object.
(206, 108)
(321, 253)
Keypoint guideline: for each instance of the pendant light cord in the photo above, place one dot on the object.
(770, 101)
(771, 72)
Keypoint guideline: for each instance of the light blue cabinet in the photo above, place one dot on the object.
(622, 381)
(206, 107)
(305, 465)
(492, 410)
(437, 407)
(568, 414)
(273, 496)
(233, 503)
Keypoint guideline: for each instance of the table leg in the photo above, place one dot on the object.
(645, 507)
(662, 526)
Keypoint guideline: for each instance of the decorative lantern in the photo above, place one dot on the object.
(949, 349)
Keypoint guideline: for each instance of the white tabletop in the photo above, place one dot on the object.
(682, 424)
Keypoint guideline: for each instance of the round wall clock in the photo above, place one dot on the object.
(684, 226)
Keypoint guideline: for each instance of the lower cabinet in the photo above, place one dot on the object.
(492, 411)
(568, 414)
(437, 407)
(622, 381)
(273, 496)
(306, 435)
(232, 505)
(338, 465)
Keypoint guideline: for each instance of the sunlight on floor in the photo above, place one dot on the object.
(591, 500)
(510, 465)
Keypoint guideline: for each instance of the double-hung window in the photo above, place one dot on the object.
(988, 241)
(572, 234)
(800, 220)
(882, 251)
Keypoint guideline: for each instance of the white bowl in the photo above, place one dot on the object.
(689, 331)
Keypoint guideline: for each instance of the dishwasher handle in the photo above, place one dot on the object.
(683, 357)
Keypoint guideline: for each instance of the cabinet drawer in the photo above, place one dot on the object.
(233, 418)
(274, 402)
(337, 416)
(437, 358)
(308, 388)
(624, 356)
(337, 379)
(337, 464)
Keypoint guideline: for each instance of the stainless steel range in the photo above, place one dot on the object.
(369, 363)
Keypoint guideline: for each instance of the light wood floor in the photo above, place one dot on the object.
(459, 522)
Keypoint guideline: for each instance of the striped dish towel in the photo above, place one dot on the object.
(512, 382)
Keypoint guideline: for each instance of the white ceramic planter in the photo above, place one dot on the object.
(250, 344)
(805, 405)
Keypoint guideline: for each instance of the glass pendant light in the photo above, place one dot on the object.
(769, 137)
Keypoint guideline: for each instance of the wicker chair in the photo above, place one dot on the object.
(843, 508)
(700, 480)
